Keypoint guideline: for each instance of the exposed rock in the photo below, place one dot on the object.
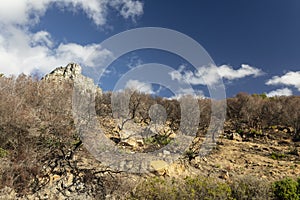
(7, 193)
(224, 175)
(159, 166)
(172, 135)
(236, 136)
(291, 129)
(176, 170)
(284, 142)
(72, 72)
(165, 152)
(124, 134)
(140, 142)
(131, 142)
(65, 179)
(54, 178)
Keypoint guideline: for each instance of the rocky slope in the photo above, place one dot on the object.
(68, 171)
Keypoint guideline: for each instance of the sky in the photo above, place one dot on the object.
(255, 45)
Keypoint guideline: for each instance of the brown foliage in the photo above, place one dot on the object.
(257, 111)
(33, 114)
(36, 120)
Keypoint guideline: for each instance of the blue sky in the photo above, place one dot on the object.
(254, 44)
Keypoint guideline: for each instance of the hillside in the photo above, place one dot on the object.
(44, 155)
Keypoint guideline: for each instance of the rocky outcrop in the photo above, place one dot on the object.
(72, 72)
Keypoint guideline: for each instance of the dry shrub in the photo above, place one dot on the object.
(27, 104)
(250, 188)
(188, 188)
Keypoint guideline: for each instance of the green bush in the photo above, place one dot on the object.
(155, 188)
(158, 140)
(277, 156)
(190, 154)
(298, 188)
(256, 132)
(3, 153)
(206, 188)
(286, 189)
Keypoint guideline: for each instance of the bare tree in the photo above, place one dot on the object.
(291, 114)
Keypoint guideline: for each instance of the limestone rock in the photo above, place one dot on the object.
(71, 71)
(7, 193)
(159, 166)
(236, 136)
(131, 142)
(177, 170)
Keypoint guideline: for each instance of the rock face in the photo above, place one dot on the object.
(72, 72)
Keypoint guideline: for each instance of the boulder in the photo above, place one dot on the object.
(236, 137)
(224, 175)
(177, 170)
(159, 166)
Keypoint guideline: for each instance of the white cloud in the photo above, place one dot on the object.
(290, 79)
(22, 51)
(188, 92)
(42, 38)
(280, 92)
(209, 75)
(91, 55)
(139, 86)
(131, 9)
(128, 8)
(134, 62)
(229, 73)
(24, 12)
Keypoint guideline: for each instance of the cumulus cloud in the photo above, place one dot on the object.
(128, 8)
(229, 73)
(42, 38)
(280, 92)
(23, 12)
(289, 79)
(91, 55)
(210, 75)
(147, 88)
(23, 51)
(140, 86)
(188, 92)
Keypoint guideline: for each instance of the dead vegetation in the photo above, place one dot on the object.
(39, 146)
